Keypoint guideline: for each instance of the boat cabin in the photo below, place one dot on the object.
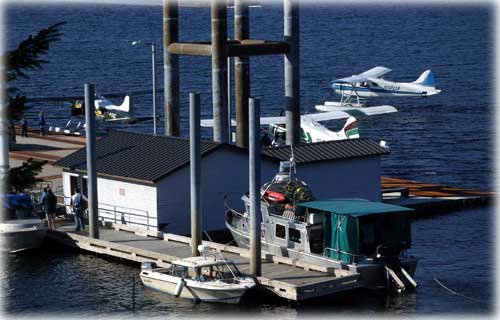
(346, 229)
(203, 269)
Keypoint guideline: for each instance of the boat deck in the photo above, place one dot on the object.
(293, 280)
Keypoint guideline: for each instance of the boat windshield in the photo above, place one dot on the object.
(226, 271)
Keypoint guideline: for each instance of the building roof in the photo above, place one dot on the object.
(136, 156)
(328, 150)
(148, 158)
(354, 207)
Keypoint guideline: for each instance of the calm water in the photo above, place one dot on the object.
(447, 138)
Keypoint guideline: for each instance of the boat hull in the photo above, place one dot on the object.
(20, 235)
(372, 273)
(190, 290)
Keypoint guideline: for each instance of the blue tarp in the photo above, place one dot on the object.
(15, 201)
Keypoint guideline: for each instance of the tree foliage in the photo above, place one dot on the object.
(27, 57)
(24, 176)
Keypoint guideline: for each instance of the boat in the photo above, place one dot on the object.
(20, 228)
(202, 279)
(365, 237)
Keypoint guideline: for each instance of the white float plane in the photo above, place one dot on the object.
(354, 90)
(311, 128)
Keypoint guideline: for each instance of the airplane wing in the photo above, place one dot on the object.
(376, 72)
(365, 111)
(322, 116)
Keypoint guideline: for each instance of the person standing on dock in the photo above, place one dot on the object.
(41, 122)
(77, 204)
(49, 207)
(24, 127)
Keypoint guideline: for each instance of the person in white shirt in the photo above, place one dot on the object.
(77, 205)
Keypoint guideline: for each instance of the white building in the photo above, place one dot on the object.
(143, 180)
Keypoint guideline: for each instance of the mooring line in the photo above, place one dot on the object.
(450, 290)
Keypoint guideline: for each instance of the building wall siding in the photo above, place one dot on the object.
(223, 173)
(354, 178)
(128, 202)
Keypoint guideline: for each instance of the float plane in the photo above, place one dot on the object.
(356, 89)
(311, 130)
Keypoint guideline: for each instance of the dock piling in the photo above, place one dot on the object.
(91, 161)
(254, 186)
(195, 171)
(171, 66)
(292, 71)
(219, 75)
(241, 73)
(4, 142)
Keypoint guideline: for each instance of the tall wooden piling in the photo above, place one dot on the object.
(91, 161)
(4, 142)
(171, 67)
(254, 186)
(195, 171)
(292, 71)
(219, 72)
(241, 73)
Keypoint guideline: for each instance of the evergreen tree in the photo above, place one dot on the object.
(26, 57)
(24, 176)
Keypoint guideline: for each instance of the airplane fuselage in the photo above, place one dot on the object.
(384, 88)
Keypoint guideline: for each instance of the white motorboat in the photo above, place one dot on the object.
(20, 229)
(202, 279)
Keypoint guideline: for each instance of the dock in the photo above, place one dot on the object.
(288, 279)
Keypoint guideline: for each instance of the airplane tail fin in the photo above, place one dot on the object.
(426, 79)
(350, 129)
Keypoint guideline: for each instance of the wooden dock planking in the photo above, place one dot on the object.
(421, 189)
(427, 198)
(284, 277)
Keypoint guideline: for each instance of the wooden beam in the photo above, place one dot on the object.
(235, 48)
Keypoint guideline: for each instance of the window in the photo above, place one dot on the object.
(280, 231)
(121, 191)
(294, 235)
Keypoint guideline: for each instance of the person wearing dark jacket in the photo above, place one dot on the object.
(49, 207)
(24, 127)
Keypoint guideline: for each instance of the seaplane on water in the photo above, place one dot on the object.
(356, 89)
(311, 129)
(107, 110)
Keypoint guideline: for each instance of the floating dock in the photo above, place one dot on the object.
(287, 278)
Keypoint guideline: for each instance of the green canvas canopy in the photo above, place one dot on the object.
(349, 223)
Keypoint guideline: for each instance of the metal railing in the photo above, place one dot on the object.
(125, 215)
(118, 214)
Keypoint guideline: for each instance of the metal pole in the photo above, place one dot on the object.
(229, 97)
(195, 171)
(153, 62)
(4, 142)
(254, 186)
(171, 67)
(292, 72)
(241, 73)
(219, 76)
(91, 161)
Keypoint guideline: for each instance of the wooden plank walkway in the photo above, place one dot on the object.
(286, 278)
